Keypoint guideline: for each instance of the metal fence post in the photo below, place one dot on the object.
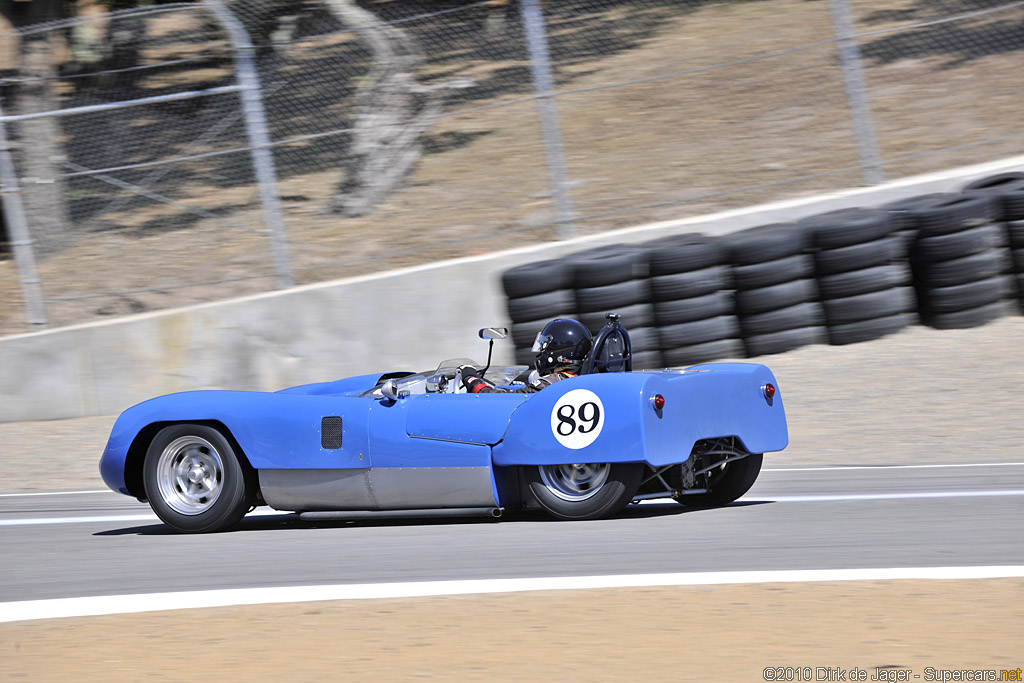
(856, 92)
(540, 65)
(259, 139)
(14, 213)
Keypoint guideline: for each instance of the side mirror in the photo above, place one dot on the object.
(493, 333)
(389, 389)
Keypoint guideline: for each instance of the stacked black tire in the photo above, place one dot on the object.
(1008, 189)
(690, 288)
(613, 279)
(959, 261)
(903, 224)
(537, 293)
(846, 276)
(863, 283)
(776, 295)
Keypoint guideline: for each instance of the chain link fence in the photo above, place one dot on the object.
(403, 133)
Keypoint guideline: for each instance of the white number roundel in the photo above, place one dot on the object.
(577, 418)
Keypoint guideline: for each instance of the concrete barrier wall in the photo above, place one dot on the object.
(408, 319)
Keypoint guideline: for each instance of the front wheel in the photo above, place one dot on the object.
(584, 490)
(195, 481)
(727, 483)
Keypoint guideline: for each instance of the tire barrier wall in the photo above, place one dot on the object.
(776, 295)
(692, 300)
(945, 260)
(863, 279)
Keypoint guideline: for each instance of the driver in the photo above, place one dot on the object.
(561, 348)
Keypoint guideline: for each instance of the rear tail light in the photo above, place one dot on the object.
(769, 391)
(658, 401)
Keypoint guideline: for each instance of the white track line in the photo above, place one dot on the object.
(890, 467)
(128, 604)
(92, 519)
(912, 495)
(34, 521)
(52, 493)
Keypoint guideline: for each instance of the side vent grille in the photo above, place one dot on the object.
(330, 432)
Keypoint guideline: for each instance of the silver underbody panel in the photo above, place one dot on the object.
(393, 488)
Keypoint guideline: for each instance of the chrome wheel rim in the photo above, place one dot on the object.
(576, 481)
(190, 475)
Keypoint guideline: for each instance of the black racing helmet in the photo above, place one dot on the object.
(563, 344)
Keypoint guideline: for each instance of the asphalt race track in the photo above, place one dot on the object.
(100, 543)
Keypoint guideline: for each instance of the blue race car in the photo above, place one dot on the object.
(583, 448)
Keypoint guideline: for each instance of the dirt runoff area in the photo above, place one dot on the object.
(890, 630)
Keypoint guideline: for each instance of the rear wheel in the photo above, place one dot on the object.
(727, 483)
(195, 481)
(584, 490)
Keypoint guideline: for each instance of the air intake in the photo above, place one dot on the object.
(330, 432)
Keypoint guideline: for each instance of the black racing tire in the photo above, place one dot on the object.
(765, 243)
(972, 317)
(685, 356)
(878, 252)
(644, 339)
(690, 284)
(197, 480)
(684, 253)
(807, 314)
(1008, 191)
(524, 355)
(699, 331)
(607, 297)
(962, 270)
(525, 333)
(694, 308)
(735, 480)
(774, 272)
(954, 213)
(636, 315)
(863, 281)
(587, 491)
(1018, 260)
(784, 340)
(953, 245)
(994, 181)
(608, 265)
(900, 210)
(847, 226)
(881, 304)
(866, 330)
(1015, 234)
(544, 305)
(970, 295)
(648, 360)
(537, 278)
(782, 295)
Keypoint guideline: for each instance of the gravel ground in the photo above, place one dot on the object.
(920, 396)
(707, 633)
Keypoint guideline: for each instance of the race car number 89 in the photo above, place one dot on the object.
(577, 418)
